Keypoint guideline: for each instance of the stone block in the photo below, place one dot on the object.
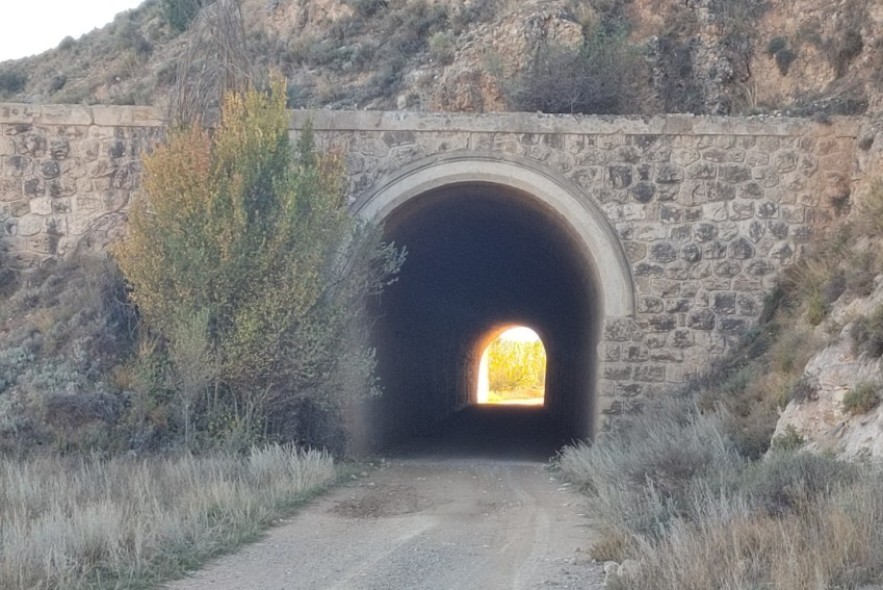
(622, 330)
(643, 192)
(716, 212)
(620, 176)
(741, 210)
(701, 319)
(41, 206)
(723, 303)
(7, 146)
(616, 372)
(786, 161)
(684, 157)
(666, 356)
(643, 269)
(727, 268)
(740, 249)
(635, 353)
(734, 173)
(681, 233)
(732, 326)
(663, 252)
(767, 210)
(651, 304)
(794, 213)
(721, 191)
(610, 352)
(650, 373)
(691, 252)
(662, 323)
(701, 171)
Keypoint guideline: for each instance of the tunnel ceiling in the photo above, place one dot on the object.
(479, 256)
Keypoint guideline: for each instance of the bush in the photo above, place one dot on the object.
(604, 76)
(788, 482)
(247, 266)
(67, 43)
(784, 59)
(12, 81)
(789, 440)
(776, 45)
(131, 523)
(180, 13)
(442, 46)
(867, 334)
(863, 398)
(367, 8)
(845, 50)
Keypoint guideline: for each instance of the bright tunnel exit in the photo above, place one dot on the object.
(512, 369)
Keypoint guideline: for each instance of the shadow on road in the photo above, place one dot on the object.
(511, 433)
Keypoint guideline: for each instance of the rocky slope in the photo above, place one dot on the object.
(702, 56)
(837, 406)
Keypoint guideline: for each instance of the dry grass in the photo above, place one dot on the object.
(835, 541)
(707, 519)
(130, 523)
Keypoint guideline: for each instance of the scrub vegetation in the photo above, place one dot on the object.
(516, 370)
(698, 491)
(158, 405)
(91, 522)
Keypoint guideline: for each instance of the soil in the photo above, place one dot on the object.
(425, 520)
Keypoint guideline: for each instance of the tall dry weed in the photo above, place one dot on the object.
(91, 522)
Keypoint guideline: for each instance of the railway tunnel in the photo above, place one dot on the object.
(484, 253)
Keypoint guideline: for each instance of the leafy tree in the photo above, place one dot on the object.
(246, 262)
(514, 365)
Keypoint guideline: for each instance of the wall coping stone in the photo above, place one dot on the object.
(331, 120)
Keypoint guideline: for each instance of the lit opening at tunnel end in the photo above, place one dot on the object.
(512, 369)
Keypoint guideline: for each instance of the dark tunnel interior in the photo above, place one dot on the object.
(480, 257)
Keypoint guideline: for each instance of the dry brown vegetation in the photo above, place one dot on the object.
(696, 490)
(88, 522)
(717, 57)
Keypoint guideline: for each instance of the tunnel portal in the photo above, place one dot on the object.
(482, 256)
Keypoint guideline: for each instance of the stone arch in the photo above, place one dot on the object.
(578, 231)
(587, 220)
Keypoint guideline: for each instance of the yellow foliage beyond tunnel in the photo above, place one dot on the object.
(513, 369)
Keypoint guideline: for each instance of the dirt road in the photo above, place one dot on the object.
(470, 506)
(421, 524)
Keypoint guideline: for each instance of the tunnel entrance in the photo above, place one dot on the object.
(512, 369)
(481, 256)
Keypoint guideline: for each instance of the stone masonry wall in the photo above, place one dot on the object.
(707, 210)
(67, 174)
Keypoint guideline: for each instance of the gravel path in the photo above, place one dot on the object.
(421, 524)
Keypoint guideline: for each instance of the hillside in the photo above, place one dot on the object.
(702, 56)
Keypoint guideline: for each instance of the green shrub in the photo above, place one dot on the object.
(776, 45)
(367, 8)
(442, 46)
(784, 59)
(180, 13)
(816, 309)
(789, 440)
(67, 43)
(804, 390)
(604, 76)
(848, 47)
(247, 265)
(12, 81)
(867, 334)
(786, 481)
(863, 398)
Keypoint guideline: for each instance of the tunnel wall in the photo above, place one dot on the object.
(703, 210)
